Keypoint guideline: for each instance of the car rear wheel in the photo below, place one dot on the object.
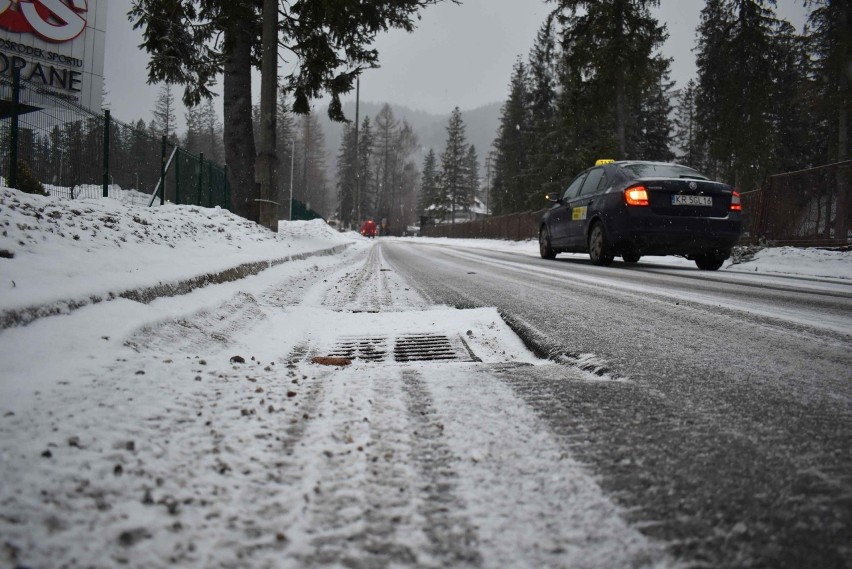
(710, 262)
(631, 257)
(600, 251)
(544, 248)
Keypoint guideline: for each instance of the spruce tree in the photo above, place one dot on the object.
(165, 114)
(431, 200)
(652, 137)
(365, 184)
(830, 42)
(508, 190)
(744, 64)
(346, 176)
(613, 44)
(386, 127)
(685, 127)
(285, 140)
(543, 174)
(472, 181)
(453, 181)
(312, 186)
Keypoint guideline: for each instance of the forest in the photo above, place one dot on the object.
(767, 98)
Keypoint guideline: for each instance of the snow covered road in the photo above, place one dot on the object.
(160, 405)
(144, 441)
(722, 417)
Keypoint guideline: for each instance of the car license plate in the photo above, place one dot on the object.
(692, 200)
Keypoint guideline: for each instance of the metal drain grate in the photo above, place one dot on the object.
(373, 349)
(407, 348)
(424, 347)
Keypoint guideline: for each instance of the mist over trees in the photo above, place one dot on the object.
(377, 177)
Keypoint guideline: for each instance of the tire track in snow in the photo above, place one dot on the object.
(452, 539)
(372, 287)
(198, 332)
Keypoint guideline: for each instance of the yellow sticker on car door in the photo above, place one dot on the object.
(579, 213)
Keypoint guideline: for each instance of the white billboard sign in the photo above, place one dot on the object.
(59, 44)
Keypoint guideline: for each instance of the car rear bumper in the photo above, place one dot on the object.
(659, 235)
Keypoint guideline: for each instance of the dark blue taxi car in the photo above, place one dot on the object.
(632, 208)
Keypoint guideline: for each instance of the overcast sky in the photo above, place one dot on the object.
(458, 56)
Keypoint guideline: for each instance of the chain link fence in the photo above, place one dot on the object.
(75, 152)
(810, 207)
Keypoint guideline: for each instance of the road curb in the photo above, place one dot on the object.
(23, 316)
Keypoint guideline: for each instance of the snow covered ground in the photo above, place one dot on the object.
(159, 406)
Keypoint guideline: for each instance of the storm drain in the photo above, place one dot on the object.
(368, 349)
(406, 348)
(424, 347)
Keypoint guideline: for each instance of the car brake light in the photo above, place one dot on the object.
(736, 204)
(636, 195)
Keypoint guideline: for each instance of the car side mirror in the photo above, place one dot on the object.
(552, 198)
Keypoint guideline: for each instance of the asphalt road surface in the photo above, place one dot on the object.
(720, 410)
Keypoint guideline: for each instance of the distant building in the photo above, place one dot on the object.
(58, 45)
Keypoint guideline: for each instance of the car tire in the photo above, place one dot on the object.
(600, 250)
(710, 262)
(544, 248)
(631, 257)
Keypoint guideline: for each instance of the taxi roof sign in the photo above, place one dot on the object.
(603, 161)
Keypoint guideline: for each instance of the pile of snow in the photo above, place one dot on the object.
(59, 250)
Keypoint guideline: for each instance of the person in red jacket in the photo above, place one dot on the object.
(369, 228)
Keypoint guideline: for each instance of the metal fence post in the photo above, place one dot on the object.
(106, 153)
(13, 128)
(200, 188)
(210, 183)
(163, 173)
(177, 178)
(227, 186)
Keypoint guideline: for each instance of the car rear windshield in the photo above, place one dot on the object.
(661, 171)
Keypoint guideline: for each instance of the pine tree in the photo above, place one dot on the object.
(796, 141)
(165, 114)
(612, 43)
(471, 171)
(211, 131)
(192, 138)
(404, 179)
(651, 140)
(831, 48)
(365, 184)
(508, 191)
(453, 167)
(431, 202)
(543, 174)
(685, 127)
(285, 139)
(386, 135)
(347, 176)
(312, 189)
(735, 77)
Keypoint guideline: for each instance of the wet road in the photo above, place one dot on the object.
(717, 408)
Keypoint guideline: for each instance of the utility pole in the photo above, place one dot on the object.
(357, 155)
(267, 160)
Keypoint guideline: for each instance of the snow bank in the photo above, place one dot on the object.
(62, 250)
